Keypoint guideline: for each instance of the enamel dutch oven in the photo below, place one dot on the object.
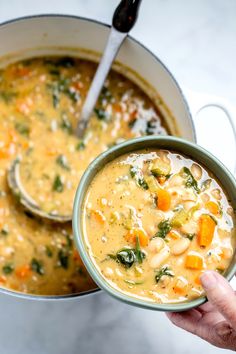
(70, 35)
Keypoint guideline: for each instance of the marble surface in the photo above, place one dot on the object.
(197, 41)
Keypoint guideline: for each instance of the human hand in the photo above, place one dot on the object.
(215, 321)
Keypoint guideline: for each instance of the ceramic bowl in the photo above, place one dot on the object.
(187, 148)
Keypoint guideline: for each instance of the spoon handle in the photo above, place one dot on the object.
(114, 42)
(126, 15)
(123, 20)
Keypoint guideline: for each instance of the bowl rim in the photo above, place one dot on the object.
(95, 166)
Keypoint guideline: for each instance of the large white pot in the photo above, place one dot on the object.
(57, 34)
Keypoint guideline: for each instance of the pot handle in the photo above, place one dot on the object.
(199, 102)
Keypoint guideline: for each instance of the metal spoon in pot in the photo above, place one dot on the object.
(123, 21)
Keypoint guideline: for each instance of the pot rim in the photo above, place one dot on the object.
(129, 146)
(100, 23)
(103, 24)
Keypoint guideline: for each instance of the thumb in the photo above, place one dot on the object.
(220, 295)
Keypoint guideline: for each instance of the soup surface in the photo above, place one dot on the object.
(159, 223)
(40, 103)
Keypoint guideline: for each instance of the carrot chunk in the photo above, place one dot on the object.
(4, 153)
(180, 286)
(23, 271)
(76, 255)
(212, 207)
(51, 151)
(194, 261)
(140, 233)
(197, 279)
(22, 71)
(206, 230)
(98, 216)
(163, 200)
(117, 108)
(2, 279)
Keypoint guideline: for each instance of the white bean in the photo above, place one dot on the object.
(118, 272)
(159, 258)
(181, 283)
(188, 194)
(180, 246)
(223, 233)
(157, 215)
(156, 244)
(214, 259)
(205, 197)
(175, 181)
(188, 204)
(165, 280)
(179, 261)
(182, 193)
(108, 272)
(150, 229)
(164, 156)
(190, 227)
(196, 171)
(216, 194)
(194, 293)
(230, 211)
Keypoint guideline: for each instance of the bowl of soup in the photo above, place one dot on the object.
(151, 215)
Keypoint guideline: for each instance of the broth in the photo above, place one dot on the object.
(161, 221)
(40, 103)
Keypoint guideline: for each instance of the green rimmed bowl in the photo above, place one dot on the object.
(195, 152)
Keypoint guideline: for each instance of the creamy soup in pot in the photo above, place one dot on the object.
(40, 103)
(160, 222)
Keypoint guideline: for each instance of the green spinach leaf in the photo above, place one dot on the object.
(7, 269)
(139, 254)
(62, 161)
(58, 186)
(137, 174)
(163, 271)
(81, 145)
(100, 113)
(4, 231)
(128, 256)
(63, 258)
(22, 128)
(49, 251)
(7, 96)
(190, 236)
(164, 227)
(190, 180)
(37, 266)
(66, 124)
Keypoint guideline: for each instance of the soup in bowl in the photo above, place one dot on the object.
(150, 216)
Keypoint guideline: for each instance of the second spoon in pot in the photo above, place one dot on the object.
(123, 21)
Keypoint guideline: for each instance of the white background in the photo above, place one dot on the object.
(197, 41)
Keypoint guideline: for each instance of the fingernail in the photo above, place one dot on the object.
(208, 280)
